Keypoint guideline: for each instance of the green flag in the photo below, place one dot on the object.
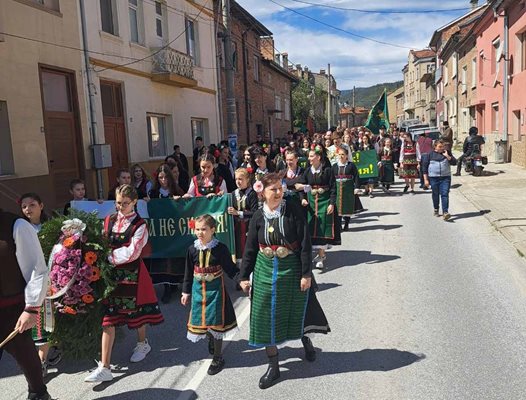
(379, 115)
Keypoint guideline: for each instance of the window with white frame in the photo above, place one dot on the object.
(463, 79)
(255, 68)
(108, 16)
(454, 66)
(496, 53)
(200, 129)
(192, 41)
(160, 20)
(135, 12)
(474, 73)
(446, 75)
(495, 117)
(157, 143)
(522, 42)
(277, 101)
(287, 109)
(6, 149)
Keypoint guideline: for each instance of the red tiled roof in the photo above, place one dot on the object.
(426, 53)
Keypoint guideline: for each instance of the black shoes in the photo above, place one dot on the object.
(218, 363)
(457, 174)
(35, 396)
(210, 344)
(406, 188)
(272, 375)
(346, 221)
(310, 351)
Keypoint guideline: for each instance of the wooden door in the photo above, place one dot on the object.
(114, 126)
(62, 132)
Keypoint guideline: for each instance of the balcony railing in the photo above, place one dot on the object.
(173, 67)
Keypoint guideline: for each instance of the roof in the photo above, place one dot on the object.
(244, 16)
(278, 68)
(426, 53)
(357, 110)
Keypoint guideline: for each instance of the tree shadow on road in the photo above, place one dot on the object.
(374, 228)
(150, 393)
(349, 258)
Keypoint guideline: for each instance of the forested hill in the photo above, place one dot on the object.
(367, 97)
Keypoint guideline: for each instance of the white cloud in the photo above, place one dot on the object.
(353, 61)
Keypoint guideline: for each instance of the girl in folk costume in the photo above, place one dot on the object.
(408, 162)
(207, 183)
(347, 186)
(263, 166)
(369, 182)
(140, 181)
(293, 177)
(165, 186)
(245, 204)
(212, 313)
(279, 254)
(386, 164)
(33, 209)
(133, 302)
(320, 186)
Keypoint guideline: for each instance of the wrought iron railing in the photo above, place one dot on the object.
(168, 60)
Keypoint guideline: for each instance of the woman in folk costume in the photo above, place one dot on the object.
(347, 185)
(369, 183)
(408, 162)
(208, 182)
(293, 176)
(320, 186)
(212, 313)
(263, 165)
(386, 164)
(245, 203)
(133, 302)
(279, 254)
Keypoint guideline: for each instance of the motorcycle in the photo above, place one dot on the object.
(475, 162)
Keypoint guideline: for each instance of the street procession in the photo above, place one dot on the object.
(187, 212)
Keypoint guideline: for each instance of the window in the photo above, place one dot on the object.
(160, 17)
(192, 44)
(256, 68)
(495, 56)
(474, 73)
(481, 66)
(6, 149)
(51, 4)
(278, 107)
(287, 109)
(108, 16)
(157, 135)
(200, 128)
(464, 78)
(454, 67)
(446, 75)
(136, 21)
(522, 39)
(495, 117)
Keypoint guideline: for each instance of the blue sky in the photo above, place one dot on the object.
(354, 61)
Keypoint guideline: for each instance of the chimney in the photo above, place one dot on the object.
(474, 4)
(322, 72)
(267, 48)
(277, 58)
(285, 58)
(306, 69)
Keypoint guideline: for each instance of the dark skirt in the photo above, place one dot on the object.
(324, 228)
(315, 319)
(165, 270)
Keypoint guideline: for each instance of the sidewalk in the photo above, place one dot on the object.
(501, 193)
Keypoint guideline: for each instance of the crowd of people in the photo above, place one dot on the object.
(292, 198)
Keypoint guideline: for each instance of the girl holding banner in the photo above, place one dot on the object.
(347, 185)
(208, 182)
(320, 187)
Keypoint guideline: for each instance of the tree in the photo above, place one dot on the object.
(309, 101)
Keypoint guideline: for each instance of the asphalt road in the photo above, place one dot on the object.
(419, 309)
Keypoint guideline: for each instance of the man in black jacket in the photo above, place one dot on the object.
(472, 144)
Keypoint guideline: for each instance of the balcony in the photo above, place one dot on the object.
(408, 106)
(438, 74)
(172, 67)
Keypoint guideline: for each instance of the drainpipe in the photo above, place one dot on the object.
(457, 107)
(506, 82)
(91, 95)
(245, 83)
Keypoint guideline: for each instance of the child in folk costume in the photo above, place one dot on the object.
(408, 162)
(386, 164)
(347, 185)
(133, 302)
(211, 313)
(320, 186)
(245, 204)
(33, 209)
(208, 183)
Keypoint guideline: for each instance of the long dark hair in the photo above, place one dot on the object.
(207, 157)
(33, 196)
(171, 181)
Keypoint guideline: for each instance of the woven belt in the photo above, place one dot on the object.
(319, 190)
(208, 277)
(208, 270)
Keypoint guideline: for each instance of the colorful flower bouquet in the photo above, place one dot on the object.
(80, 279)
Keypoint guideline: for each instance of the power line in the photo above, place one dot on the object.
(343, 30)
(381, 11)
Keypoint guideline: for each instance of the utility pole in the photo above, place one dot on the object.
(231, 112)
(353, 106)
(329, 97)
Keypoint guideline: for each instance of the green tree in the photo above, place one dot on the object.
(309, 101)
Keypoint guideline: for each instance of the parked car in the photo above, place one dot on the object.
(433, 132)
(406, 123)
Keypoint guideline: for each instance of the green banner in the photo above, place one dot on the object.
(168, 224)
(379, 115)
(366, 162)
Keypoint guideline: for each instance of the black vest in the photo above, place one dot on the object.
(12, 281)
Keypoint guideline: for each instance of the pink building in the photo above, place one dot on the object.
(501, 103)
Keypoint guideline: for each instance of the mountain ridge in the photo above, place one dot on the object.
(368, 96)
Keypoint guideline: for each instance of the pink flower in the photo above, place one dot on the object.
(64, 280)
(258, 187)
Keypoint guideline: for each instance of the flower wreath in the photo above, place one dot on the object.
(316, 148)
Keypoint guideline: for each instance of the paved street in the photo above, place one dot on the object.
(420, 309)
